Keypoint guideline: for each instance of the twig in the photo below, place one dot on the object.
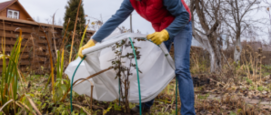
(51, 62)
(74, 29)
(80, 107)
(91, 76)
(167, 108)
(64, 37)
(65, 95)
(29, 99)
(24, 106)
(93, 106)
(226, 60)
(11, 100)
(33, 105)
(91, 90)
(53, 32)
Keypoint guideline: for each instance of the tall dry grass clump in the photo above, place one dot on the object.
(10, 98)
(252, 63)
(199, 61)
(10, 76)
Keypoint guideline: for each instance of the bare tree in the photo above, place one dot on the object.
(235, 15)
(269, 14)
(97, 24)
(206, 28)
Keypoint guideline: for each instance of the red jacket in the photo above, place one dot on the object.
(155, 12)
(172, 15)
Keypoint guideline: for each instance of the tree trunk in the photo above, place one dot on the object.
(207, 35)
(237, 46)
(215, 57)
(237, 50)
(213, 50)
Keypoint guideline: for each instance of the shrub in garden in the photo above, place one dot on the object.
(124, 72)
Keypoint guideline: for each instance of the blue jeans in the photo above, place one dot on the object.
(182, 44)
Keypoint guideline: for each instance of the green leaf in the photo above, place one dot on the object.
(43, 106)
(260, 88)
(232, 113)
(63, 87)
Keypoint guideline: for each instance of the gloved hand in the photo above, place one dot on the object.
(88, 45)
(159, 37)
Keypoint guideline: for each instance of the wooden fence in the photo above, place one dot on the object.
(35, 56)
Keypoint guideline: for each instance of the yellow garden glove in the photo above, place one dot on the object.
(88, 45)
(159, 37)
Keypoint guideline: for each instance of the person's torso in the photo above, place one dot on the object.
(155, 12)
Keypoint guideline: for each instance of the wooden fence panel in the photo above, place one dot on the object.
(35, 54)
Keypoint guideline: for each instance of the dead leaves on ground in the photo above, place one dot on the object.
(234, 97)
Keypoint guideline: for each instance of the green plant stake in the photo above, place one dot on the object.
(138, 82)
(176, 96)
(72, 80)
(119, 91)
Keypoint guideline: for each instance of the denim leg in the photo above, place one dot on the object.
(168, 44)
(147, 105)
(182, 44)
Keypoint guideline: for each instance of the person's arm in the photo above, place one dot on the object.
(177, 9)
(109, 26)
